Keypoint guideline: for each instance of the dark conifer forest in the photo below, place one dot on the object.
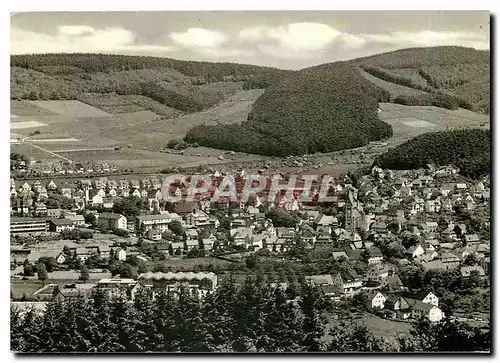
(469, 150)
(254, 317)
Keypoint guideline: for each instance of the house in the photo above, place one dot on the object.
(307, 234)
(82, 254)
(197, 218)
(154, 234)
(325, 220)
(320, 280)
(420, 309)
(156, 183)
(348, 282)
(123, 184)
(460, 229)
(449, 259)
(177, 247)
(208, 244)
(398, 305)
(375, 300)
(77, 220)
(426, 297)
(108, 202)
(415, 251)
(104, 252)
(112, 221)
(51, 185)
(61, 258)
(393, 283)
(242, 236)
(323, 240)
(432, 206)
(120, 254)
(158, 221)
(97, 200)
(472, 239)
(376, 256)
(429, 227)
(40, 209)
(378, 273)
(100, 183)
(446, 189)
(59, 225)
(191, 244)
(405, 191)
(145, 182)
(339, 255)
(467, 271)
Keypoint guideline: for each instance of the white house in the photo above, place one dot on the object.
(415, 250)
(121, 254)
(113, 220)
(376, 300)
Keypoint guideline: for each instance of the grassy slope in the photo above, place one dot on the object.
(458, 71)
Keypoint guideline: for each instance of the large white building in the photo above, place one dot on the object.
(113, 220)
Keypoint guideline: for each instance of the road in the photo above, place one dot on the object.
(50, 152)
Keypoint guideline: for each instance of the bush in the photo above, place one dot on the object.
(121, 232)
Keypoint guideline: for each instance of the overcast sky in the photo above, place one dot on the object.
(290, 40)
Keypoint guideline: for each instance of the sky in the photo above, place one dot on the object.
(285, 39)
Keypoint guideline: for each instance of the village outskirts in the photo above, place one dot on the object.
(399, 244)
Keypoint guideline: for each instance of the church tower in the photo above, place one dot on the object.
(350, 221)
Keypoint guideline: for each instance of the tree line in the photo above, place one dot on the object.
(252, 317)
(467, 149)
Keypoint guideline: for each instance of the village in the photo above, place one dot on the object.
(105, 233)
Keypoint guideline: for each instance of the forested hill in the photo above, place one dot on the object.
(77, 63)
(321, 109)
(457, 72)
(187, 86)
(469, 150)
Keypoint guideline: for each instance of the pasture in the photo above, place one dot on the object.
(80, 132)
(410, 121)
(69, 108)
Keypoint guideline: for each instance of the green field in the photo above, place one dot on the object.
(381, 328)
(80, 132)
(400, 118)
(394, 89)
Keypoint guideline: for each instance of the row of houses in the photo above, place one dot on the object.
(200, 283)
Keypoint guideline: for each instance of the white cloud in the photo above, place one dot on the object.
(75, 29)
(352, 41)
(81, 39)
(304, 40)
(430, 38)
(295, 37)
(199, 38)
